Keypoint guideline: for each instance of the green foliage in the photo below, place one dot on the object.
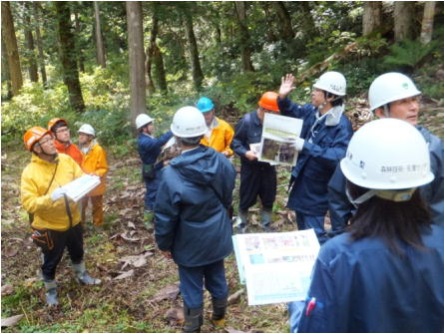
(408, 54)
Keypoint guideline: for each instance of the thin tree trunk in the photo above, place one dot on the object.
(8, 33)
(285, 24)
(5, 71)
(68, 57)
(80, 56)
(154, 56)
(100, 49)
(29, 41)
(246, 50)
(403, 20)
(197, 74)
(372, 17)
(41, 58)
(136, 59)
(427, 22)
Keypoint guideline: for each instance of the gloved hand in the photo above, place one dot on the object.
(298, 144)
(58, 193)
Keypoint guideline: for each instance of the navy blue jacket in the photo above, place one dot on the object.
(150, 147)
(191, 207)
(318, 159)
(361, 286)
(341, 209)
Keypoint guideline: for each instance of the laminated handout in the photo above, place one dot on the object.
(279, 134)
(81, 186)
(276, 267)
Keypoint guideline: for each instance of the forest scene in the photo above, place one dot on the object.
(104, 63)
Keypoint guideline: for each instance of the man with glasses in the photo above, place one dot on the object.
(257, 178)
(324, 138)
(62, 139)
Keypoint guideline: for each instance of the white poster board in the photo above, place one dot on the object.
(81, 186)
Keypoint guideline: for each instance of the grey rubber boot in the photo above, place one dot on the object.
(193, 320)
(241, 221)
(82, 275)
(51, 293)
(266, 220)
(219, 312)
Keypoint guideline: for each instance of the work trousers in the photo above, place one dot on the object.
(151, 187)
(98, 210)
(257, 180)
(192, 280)
(72, 239)
(306, 222)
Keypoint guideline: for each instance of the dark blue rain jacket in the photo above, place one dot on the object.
(361, 286)
(318, 159)
(150, 147)
(191, 207)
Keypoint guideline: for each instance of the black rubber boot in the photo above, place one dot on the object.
(219, 312)
(193, 320)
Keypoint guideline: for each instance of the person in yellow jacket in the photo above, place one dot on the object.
(94, 162)
(220, 134)
(54, 218)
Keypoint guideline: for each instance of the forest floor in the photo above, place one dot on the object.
(139, 291)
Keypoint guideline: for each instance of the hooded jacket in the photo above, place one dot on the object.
(191, 207)
(95, 162)
(36, 180)
(220, 137)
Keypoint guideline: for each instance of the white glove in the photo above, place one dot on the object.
(298, 144)
(58, 193)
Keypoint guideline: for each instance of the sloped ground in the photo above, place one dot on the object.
(139, 291)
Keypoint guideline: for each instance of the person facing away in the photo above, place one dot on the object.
(149, 148)
(257, 178)
(219, 133)
(393, 95)
(324, 137)
(386, 273)
(192, 222)
(62, 139)
(94, 163)
(56, 218)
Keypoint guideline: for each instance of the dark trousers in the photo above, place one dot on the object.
(72, 239)
(151, 189)
(257, 180)
(192, 279)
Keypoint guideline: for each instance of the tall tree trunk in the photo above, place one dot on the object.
(41, 57)
(80, 56)
(29, 42)
(403, 20)
(246, 50)
(372, 17)
(5, 71)
(427, 22)
(197, 74)
(100, 49)
(136, 59)
(68, 56)
(285, 24)
(8, 33)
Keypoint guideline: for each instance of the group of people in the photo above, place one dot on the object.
(382, 186)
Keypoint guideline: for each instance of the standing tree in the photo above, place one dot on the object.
(68, 56)
(100, 49)
(285, 24)
(404, 16)
(29, 41)
(426, 33)
(197, 74)
(246, 49)
(136, 59)
(8, 33)
(5, 71)
(372, 17)
(41, 57)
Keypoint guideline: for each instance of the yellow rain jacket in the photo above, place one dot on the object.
(95, 162)
(36, 179)
(220, 137)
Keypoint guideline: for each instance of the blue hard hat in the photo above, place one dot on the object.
(205, 104)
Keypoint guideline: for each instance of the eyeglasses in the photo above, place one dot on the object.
(61, 130)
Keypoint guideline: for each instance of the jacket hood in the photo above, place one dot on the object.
(199, 165)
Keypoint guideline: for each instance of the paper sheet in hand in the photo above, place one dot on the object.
(276, 267)
(81, 186)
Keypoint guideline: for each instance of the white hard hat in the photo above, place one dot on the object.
(387, 154)
(143, 119)
(332, 82)
(390, 87)
(87, 129)
(188, 122)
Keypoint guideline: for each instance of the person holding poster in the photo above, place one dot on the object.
(324, 137)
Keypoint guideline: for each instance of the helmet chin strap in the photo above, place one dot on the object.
(400, 195)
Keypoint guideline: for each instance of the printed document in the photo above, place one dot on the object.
(276, 267)
(81, 186)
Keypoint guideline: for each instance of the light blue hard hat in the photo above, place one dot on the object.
(204, 104)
